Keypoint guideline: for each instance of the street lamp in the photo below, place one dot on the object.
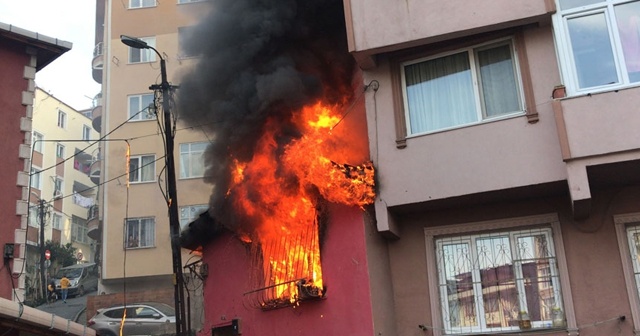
(174, 221)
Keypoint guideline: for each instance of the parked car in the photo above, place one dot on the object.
(83, 277)
(149, 318)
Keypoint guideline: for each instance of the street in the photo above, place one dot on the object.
(73, 309)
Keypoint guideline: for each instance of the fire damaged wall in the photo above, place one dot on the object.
(345, 310)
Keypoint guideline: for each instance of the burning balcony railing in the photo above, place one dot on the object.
(286, 269)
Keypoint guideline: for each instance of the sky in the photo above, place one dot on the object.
(68, 78)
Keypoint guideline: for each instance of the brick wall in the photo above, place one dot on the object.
(95, 302)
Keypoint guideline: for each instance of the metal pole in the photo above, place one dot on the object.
(43, 283)
(174, 219)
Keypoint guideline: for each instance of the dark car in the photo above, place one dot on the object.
(149, 318)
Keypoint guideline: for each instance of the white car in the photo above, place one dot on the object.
(149, 318)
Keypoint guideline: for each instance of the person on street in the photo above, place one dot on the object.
(64, 287)
(51, 289)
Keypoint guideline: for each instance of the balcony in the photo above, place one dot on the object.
(597, 135)
(96, 113)
(93, 223)
(94, 172)
(98, 62)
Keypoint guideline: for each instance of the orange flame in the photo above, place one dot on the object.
(278, 190)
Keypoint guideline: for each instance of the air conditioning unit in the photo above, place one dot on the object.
(57, 194)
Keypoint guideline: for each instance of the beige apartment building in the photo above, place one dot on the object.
(133, 226)
(63, 148)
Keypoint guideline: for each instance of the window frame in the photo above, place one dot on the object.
(86, 133)
(474, 68)
(37, 141)
(190, 154)
(60, 150)
(396, 59)
(150, 54)
(140, 108)
(185, 220)
(622, 222)
(53, 221)
(155, 3)
(62, 119)
(511, 224)
(139, 220)
(140, 166)
(37, 184)
(568, 66)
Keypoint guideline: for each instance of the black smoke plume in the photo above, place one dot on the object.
(260, 59)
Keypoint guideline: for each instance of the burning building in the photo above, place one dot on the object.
(278, 91)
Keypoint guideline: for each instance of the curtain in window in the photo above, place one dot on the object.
(440, 93)
(498, 81)
(147, 232)
(134, 164)
(148, 168)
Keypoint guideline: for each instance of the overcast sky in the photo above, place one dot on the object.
(68, 78)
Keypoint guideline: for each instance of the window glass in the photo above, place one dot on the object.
(143, 55)
(488, 282)
(192, 159)
(86, 133)
(139, 107)
(628, 19)
(142, 168)
(141, 3)
(190, 212)
(36, 178)
(37, 141)
(59, 150)
(599, 45)
(568, 4)
(56, 221)
(140, 232)
(440, 92)
(62, 119)
(591, 47)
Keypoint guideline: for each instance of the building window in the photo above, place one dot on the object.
(628, 233)
(86, 133)
(192, 159)
(141, 3)
(79, 230)
(190, 212)
(441, 92)
(598, 43)
(139, 107)
(36, 141)
(142, 168)
(493, 276)
(36, 178)
(62, 119)
(140, 232)
(183, 36)
(34, 219)
(58, 187)
(60, 151)
(56, 221)
(143, 55)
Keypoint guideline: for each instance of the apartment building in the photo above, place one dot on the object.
(23, 54)
(62, 196)
(504, 135)
(133, 222)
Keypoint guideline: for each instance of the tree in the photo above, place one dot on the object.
(61, 255)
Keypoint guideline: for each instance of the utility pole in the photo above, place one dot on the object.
(43, 281)
(174, 219)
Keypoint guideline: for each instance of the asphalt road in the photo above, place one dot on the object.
(73, 309)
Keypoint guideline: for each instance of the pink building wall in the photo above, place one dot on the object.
(346, 309)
